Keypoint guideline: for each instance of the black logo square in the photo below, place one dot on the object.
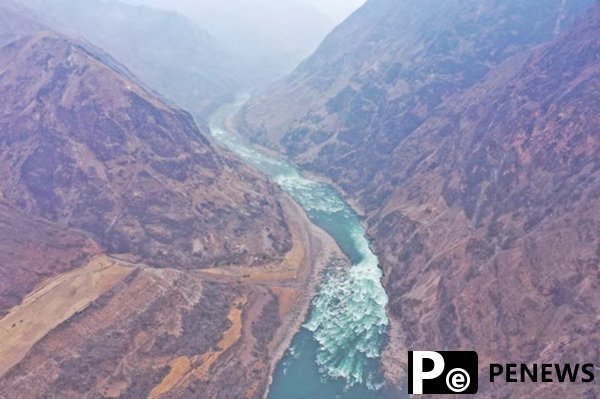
(445, 373)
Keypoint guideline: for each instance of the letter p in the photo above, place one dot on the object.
(416, 360)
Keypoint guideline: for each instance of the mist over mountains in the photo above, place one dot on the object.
(197, 54)
(164, 49)
(138, 258)
(273, 35)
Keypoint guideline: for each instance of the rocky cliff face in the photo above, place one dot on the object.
(136, 260)
(489, 229)
(476, 164)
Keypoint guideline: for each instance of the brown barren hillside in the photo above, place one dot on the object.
(33, 250)
(136, 260)
(85, 147)
(490, 232)
(80, 323)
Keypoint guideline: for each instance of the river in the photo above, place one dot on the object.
(337, 352)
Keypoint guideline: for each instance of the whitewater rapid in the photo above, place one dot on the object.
(347, 320)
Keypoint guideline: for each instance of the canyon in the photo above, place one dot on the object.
(468, 142)
(138, 260)
(427, 179)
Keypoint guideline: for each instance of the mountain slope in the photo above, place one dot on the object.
(136, 259)
(32, 250)
(91, 150)
(487, 217)
(382, 72)
(475, 163)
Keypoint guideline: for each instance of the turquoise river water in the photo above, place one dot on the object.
(336, 353)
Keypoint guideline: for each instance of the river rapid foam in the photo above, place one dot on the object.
(348, 320)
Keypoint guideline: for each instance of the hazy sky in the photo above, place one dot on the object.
(336, 9)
